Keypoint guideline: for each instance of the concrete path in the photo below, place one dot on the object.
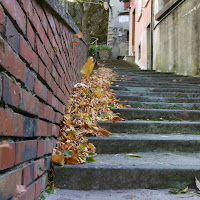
(120, 195)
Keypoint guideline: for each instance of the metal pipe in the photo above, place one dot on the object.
(151, 35)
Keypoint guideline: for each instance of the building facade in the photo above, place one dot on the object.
(118, 28)
(176, 38)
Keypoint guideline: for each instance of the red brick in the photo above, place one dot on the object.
(49, 97)
(40, 148)
(16, 13)
(42, 70)
(49, 145)
(28, 174)
(29, 194)
(10, 92)
(41, 111)
(28, 102)
(29, 126)
(55, 130)
(2, 21)
(40, 185)
(41, 128)
(30, 79)
(8, 183)
(38, 166)
(6, 53)
(59, 118)
(40, 90)
(30, 34)
(55, 102)
(28, 54)
(49, 114)
(5, 153)
(11, 123)
(49, 79)
(26, 150)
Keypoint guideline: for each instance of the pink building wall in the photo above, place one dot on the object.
(142, 32)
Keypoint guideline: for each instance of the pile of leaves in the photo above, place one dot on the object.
(89, 103)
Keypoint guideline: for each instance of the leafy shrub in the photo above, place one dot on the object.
(99, 47)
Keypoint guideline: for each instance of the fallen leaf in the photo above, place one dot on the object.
(58, 159)
(185, 190)
(74, 42)
(115, 119)
(121, 106)
(127, 106)
(79, 35)
(197, 183)
(134, 155)
(71, 160)
(4, 144)
(20, 189)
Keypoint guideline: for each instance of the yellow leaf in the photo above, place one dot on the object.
(88, 67)
(127, 106)
(98, 94)
(121, 106)
(81, 103)
(58, 159)
(134, 155)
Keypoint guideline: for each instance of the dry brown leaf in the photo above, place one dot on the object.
(58, 159)
(4, 144)
(127, 106)
(134, 155)
(197, 183)
(116, 118)
(79, 35)
(121, 106)
(20, 189)
(71, 160)
(74, 42)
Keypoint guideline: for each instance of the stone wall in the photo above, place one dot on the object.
(39, 64)
(177, 39)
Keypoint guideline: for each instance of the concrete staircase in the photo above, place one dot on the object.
(163, 127)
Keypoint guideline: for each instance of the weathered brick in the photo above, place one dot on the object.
(55, 130)
(30, 79)
(16, 13)
(5, 153)
(6, 53)
(39, 167)
(42, 70)
(49, 114)
(40, 90)
(49, 97)
(12, 35)
(49, 145)
(29, 126)
(58, 117)
(10, 92)
(40, 185)
(28, 174)
(28, 54)
(2, 21)
(29, 194)
(30, 34)
(41, 128)
(40, 148)
(25, 150)
(8, 183)
(28, 102)
(11, 123)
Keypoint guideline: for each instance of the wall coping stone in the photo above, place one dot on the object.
(166, 9)
(59, 10)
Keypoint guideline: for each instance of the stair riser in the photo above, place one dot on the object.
(145, 105)
(130, 114)
(129, 146)
(158, 99)
(157, 94)
(115, 178)
(152, 128)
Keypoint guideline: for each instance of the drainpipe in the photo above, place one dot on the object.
(151, 36)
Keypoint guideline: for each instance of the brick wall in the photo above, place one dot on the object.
(39, 65)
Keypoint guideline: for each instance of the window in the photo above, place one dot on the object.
(139, 52)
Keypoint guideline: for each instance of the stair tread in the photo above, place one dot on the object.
(157, 137)
(148, 160)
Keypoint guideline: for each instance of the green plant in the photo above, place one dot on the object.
(92, 50)
(104, 47)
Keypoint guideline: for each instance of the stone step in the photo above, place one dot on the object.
(156, 114)
(157, 99)
(167, 84)
(157, 94)
(126, 143)
(156, 89)
(155, 170)
(152, 127)
(158, 105)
